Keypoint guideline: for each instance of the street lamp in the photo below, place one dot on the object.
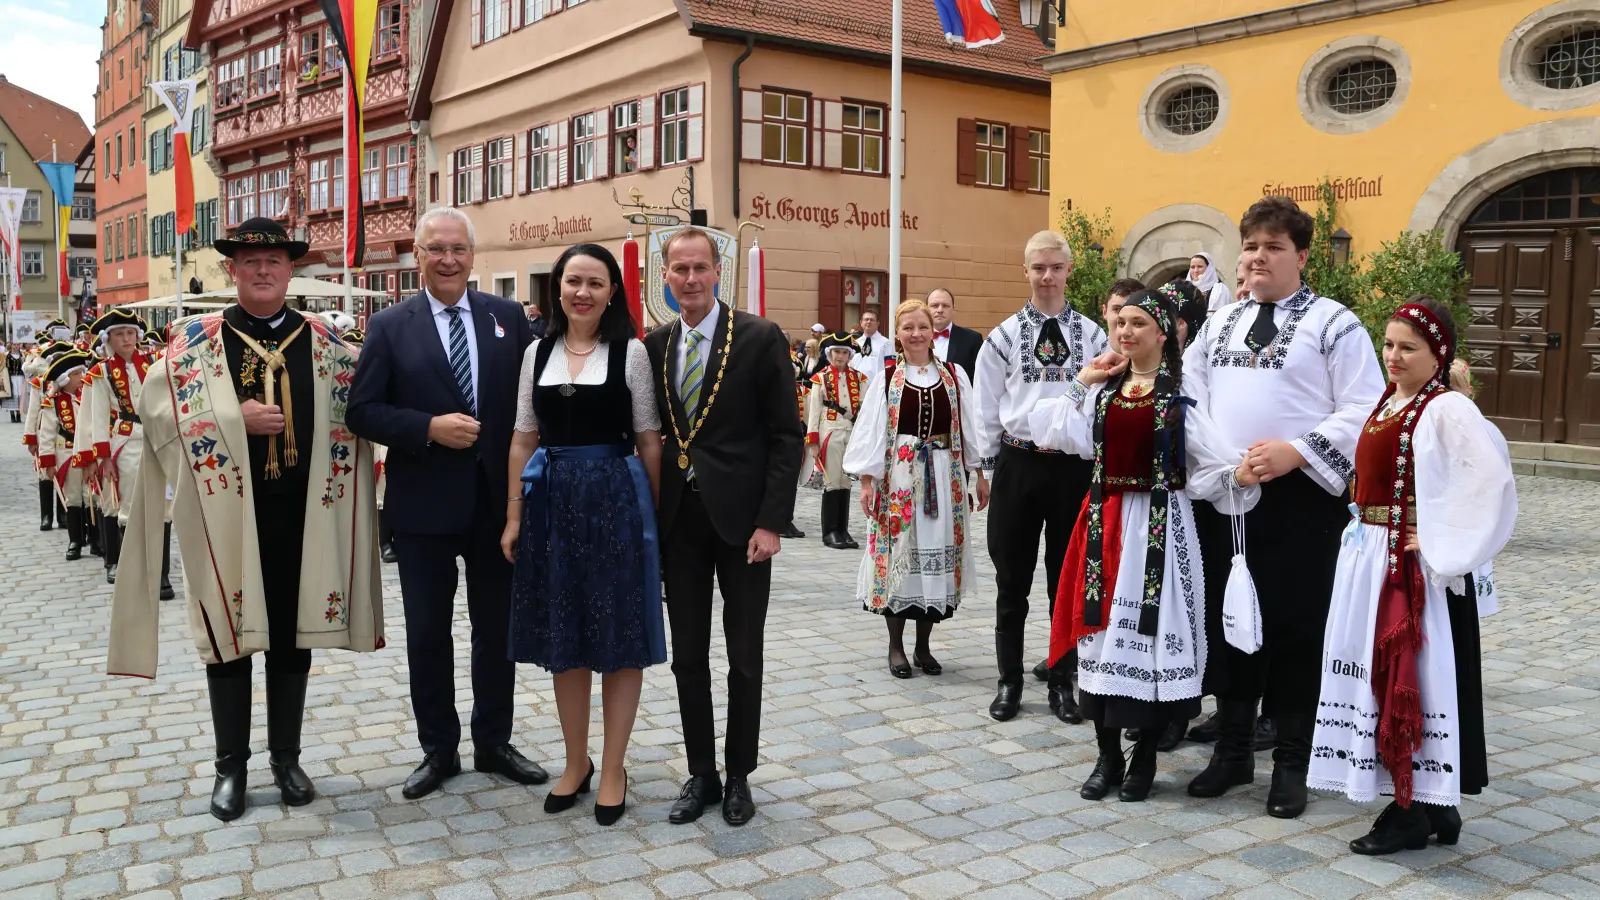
(1098, 248)
(1043, 17)
(1341, 247)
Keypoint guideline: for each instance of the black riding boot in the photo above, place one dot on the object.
(1008, 695)
(1232, 760)
(830, 520)
(1061, 677)
(286, 712)
(47, 505)
(1142, 769)
(76, 526)
(166, 562)
(841, 519)
(1109, 769)
(1291, 762)
(93, 529)
(113, 540)
(230, 719)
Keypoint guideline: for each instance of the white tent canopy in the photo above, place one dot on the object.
(190, 301)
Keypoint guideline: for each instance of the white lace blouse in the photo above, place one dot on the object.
(636, 373)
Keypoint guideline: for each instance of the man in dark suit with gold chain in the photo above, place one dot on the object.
(732, 454)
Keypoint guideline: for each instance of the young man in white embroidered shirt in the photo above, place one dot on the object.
(1031, 357)
(1288, 377)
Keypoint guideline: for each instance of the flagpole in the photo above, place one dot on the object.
(349, 88)
(177, 267)
(61, 289)
(896, 169)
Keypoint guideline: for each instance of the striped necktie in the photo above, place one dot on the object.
(461, 359)
(693, 373)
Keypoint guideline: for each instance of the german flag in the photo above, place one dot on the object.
(353, 23)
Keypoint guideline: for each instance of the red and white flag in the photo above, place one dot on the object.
(179, 98)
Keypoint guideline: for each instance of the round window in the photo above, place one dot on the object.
(1360, 87)
(1569, 59)
(1190, 110)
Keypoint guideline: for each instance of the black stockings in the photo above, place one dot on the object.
(897, 630)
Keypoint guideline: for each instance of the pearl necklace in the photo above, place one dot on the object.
(571, 352)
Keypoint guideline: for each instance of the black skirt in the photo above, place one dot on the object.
(1469, 687)
(1109, 711)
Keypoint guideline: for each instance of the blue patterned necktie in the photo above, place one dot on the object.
(693, 373)
(461, 359)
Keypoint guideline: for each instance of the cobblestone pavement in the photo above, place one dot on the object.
(870, 787)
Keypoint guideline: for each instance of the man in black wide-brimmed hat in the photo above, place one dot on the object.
(272, 505)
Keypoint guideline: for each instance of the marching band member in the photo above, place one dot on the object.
(59, 421)
(109, 438)
(831, 407)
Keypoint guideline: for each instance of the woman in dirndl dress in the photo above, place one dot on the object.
(1132, 576)
(1400, 709)
(909, 447)
(586, 593)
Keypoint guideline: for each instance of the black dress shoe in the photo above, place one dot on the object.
(387, 554)
(505, 760)
(111, 573)
(899, 669)
(1286, 799)
(737, 805)
(46, 524)
(1132, 734)
(1041, 670)
(1065, 708)
(791, 532)
(1443, 822)
(846, 542)
(699, 792)
(1172, 736)
(831, 539)
(1396, 829)
(1007, 700)
(554, 802)
(927, 664)
(1206, 732)
(431, 774)
(608, 815)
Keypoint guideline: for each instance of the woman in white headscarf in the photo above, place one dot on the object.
(1203, 275)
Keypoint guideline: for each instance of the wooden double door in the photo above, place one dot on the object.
(1533, 341)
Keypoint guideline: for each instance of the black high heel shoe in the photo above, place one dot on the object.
(554, 802)
(608, 815)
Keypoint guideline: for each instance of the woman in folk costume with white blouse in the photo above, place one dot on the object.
(1132, 594)
(1207, 280)
(912, 448)
(586, 595)
(244, 416)
(1401, 705)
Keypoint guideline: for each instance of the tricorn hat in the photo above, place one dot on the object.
(63, 365)
(840, 339)
(81, 328)
(153, 336)
(114, 318)
(354, 336)
(260, 232)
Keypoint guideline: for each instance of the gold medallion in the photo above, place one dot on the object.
(683, 460)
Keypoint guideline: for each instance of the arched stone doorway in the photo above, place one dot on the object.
(1158, 247)
(1532, 250)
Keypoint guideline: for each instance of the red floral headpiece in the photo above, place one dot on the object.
(1433, 330)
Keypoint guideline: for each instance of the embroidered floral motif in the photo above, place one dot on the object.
(335, 613)
(236, 604)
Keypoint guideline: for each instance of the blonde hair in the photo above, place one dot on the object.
(1046, 240)
(1461, 378)
(812, 346)
(911, 305)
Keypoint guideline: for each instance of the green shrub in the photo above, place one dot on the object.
(1092, 273)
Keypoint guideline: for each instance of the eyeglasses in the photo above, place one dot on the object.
(436, 252)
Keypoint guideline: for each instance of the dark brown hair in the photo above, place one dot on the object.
(1445, 317)
(1278, 215)
(1124, 287)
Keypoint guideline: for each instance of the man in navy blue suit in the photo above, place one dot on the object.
(437, 385)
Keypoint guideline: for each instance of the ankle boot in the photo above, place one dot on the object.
(230, 720)
(113, 550)
(1397, 828)
(75, 529)
(286, 709)
(1232, 762)
(1109, 769)
(1444, 822)
(1008, 695)
(1062, 701)
(166, 562)
(47, 505)
(1142, 769)
(1291, 763)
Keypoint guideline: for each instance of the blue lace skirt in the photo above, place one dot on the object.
(587, 589)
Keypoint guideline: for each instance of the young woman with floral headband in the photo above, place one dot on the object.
(1132, 591)
(1401, 705)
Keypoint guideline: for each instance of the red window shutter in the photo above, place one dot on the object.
(966, 151)
(903, 297)
(475, 32)
(1019, 157)
(830, 298)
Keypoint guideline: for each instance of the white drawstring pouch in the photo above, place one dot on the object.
(1241, 612)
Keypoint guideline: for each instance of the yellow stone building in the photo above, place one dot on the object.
(172, 61)
(1474, 117)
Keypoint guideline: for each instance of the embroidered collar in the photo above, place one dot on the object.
(1295, 301)
(1034, 315)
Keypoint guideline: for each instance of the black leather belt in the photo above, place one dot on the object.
(127, 417)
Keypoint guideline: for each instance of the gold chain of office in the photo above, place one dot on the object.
(716, 385)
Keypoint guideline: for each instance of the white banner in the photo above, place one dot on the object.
(11, 200)
(179, 98)
(24, 323)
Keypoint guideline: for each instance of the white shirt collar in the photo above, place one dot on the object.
(707, 326)
(434, 306)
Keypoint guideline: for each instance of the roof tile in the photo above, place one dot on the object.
(37, 121)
